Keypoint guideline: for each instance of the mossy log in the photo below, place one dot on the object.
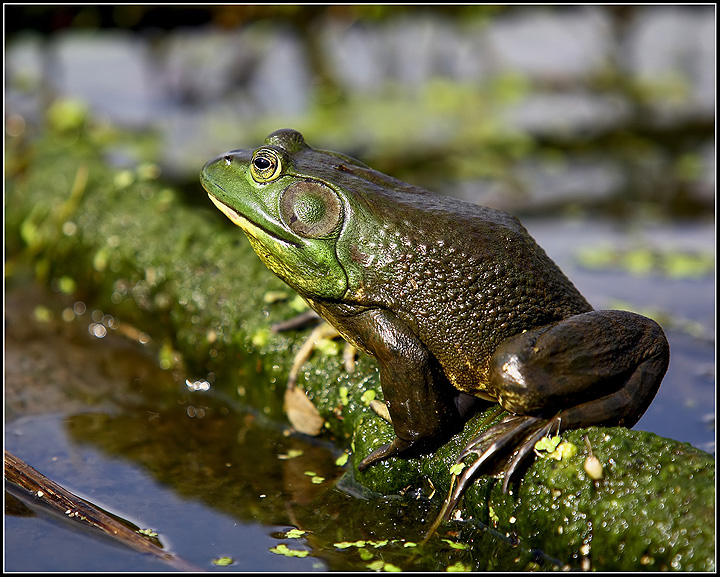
(169, 265)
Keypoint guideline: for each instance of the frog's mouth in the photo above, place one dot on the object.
(251, 228)
(230, 213)
(291, 262)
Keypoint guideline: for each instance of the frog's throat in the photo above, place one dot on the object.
(249, 227)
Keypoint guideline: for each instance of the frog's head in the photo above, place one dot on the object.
(283, 197)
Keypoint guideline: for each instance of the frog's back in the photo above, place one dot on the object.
(463, 276)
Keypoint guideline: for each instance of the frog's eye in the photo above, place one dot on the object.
(310, 209)
(265, 165)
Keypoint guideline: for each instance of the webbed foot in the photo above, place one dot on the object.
(518, 432)
(594, 368)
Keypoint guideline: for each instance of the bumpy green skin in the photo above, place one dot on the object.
(452, 299)
(139, 252)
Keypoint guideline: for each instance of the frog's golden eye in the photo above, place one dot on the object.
(310, 209)
(265, 165)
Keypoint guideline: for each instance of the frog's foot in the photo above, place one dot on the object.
(518, 432)
(381, 453)
(594, 368)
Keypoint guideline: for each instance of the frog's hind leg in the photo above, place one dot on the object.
(603, 387)
(622, 407)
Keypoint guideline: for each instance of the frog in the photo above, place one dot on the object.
(457, 303)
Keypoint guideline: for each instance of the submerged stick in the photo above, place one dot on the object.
(37, 491)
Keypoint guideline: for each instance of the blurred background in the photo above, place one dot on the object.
(527, 108)
(594, 124)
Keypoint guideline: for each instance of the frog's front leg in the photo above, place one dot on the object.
(420, 400)
(596, 368)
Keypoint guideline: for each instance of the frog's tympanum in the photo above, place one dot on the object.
(455, 301)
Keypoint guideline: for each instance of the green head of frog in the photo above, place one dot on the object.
(292, 217)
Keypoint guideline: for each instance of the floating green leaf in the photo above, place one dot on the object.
(261, 337)
(348, 544)
(368, 396)
(284, 550)
(298, 304)
(271, 297)
(564, 451)
(456, 545)
(381, 565)
(457, 567)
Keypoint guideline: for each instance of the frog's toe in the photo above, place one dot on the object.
(515, 432)
(526, 448)
(397, 446)
(496, 437)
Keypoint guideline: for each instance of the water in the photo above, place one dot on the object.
(212, 479)
(102, 420)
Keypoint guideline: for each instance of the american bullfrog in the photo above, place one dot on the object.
(455, 301)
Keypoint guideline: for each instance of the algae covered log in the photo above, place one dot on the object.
(172, 267)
